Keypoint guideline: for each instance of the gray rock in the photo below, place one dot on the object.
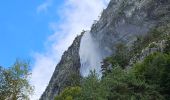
(158, 47)
(68, 66)
(123, 20)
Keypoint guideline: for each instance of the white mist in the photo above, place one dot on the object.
(90, 56)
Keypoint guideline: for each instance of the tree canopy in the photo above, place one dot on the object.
(15, 81)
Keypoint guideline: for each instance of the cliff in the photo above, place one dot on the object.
(121, 22)
(67, 69)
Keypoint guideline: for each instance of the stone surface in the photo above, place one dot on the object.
(123, 20)
(158, 47)
(67, 67)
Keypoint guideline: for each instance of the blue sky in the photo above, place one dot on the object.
(41, 30)
(23, 29)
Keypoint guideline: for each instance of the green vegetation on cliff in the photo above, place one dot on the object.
(146, 79)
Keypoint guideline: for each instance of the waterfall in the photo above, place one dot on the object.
(90, 55)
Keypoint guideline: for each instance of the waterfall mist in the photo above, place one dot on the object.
(90, 55)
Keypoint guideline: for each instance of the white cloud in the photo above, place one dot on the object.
(76, 15)
(44, 6)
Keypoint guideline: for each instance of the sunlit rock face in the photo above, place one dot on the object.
(120, 22)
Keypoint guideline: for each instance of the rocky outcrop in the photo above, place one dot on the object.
(68, 66)
(153, 47)
(123, 20)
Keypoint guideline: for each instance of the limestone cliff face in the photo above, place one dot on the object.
(121, 22)
(68, 66)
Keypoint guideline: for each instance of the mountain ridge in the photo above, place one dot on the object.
(121, 22)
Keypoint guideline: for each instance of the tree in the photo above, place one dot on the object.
(4, 89)
(136, 46)
(146, 80)
(15, 81)
(122, 85)
(69, 93)
(155, 70)
(167, 45)
(120, 57)
(91, 87)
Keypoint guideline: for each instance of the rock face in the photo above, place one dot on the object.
(120, 22)
(153, 47)
(68, 66)
(123, 20)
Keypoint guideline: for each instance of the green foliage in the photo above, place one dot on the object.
(155, 70)
(69, 93)
(152, 45)
(142, 41)
(91, 87)
(167, 47)
(123, 53)
(146, 80)
(120, 58)
(121, 85)
(4, 89)
(75, 80)
(89, 90)
(107, 65)
(137, 45)
(15, 81)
